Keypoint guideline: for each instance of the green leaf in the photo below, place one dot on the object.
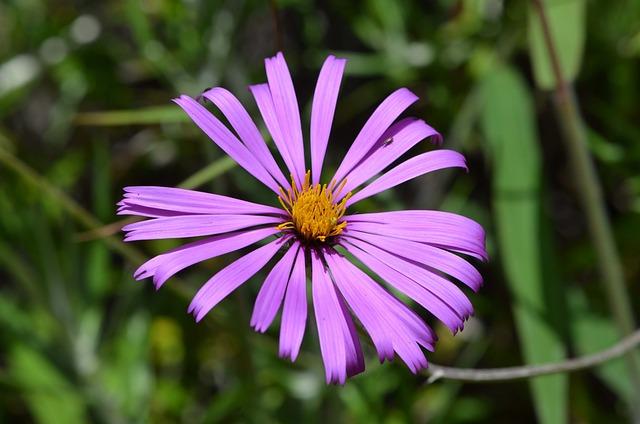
(567, 20)
(50, 397)
(508, 124)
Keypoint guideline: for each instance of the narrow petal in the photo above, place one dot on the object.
(225, 139)
(443, 236)
(287, 110)
(163, 266)
(355, 357)
(187, 202)
(466, 235)
(294, 312)
(249, 134)
(194, 226)
(325, 304)
(414, 167)
(144, 211)
(405, 330)
(432, 303)
(231, 277)
(429, 256)
(362, 305)
(391, 325)
(436, 284)
(272, 291)
(422, 217)
(340, 348)
(397, 140)
(262, 95)
(322, 111)
(385, 114)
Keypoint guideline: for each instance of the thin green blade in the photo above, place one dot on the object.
(508, 124)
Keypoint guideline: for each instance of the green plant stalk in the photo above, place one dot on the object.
(590, 192)
(591, 197)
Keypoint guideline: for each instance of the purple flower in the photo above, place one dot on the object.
(412, 251)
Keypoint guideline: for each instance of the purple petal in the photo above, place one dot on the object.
(430, 256)
(387, 112)
(287, 111)
(322, 111)
(361, 303)
(193, 226)
(339, 345)
(423, 218)
(231, 277)
(146, 212)
(294, 312)
(355, 357)
(246, 129)
(163, 266)
(439, 308)
(391, 325)
(436, 284)
(272, 291)
(414, 167)
(187, 202)
(443, 236)
(225, 140)
(262, 95)
(398, 139)
(325, 304)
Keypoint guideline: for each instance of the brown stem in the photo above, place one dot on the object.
(592, 199)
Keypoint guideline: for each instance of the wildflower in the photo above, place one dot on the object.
(412, 251)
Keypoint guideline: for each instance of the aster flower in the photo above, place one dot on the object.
(414, 252)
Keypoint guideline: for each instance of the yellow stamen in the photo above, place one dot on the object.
(314, 213)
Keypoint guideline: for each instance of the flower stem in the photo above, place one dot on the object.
(591, 197)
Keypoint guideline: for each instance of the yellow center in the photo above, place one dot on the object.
(314, 213)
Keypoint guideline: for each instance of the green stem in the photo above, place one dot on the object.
(592, 199)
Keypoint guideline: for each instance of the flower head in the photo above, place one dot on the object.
(314, 212)
(413, 251)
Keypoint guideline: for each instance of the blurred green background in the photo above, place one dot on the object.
(84, 107)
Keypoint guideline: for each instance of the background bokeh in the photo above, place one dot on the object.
(85, 110)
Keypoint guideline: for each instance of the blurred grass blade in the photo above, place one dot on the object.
(50, 397)
(98, 270)
(54, 193)
(81, 215)
(567, 25)
(126, 373)
(142, 116)
(508, 124)
(208, 173)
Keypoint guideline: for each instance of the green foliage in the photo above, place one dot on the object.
(51, 398)
(85, 106)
